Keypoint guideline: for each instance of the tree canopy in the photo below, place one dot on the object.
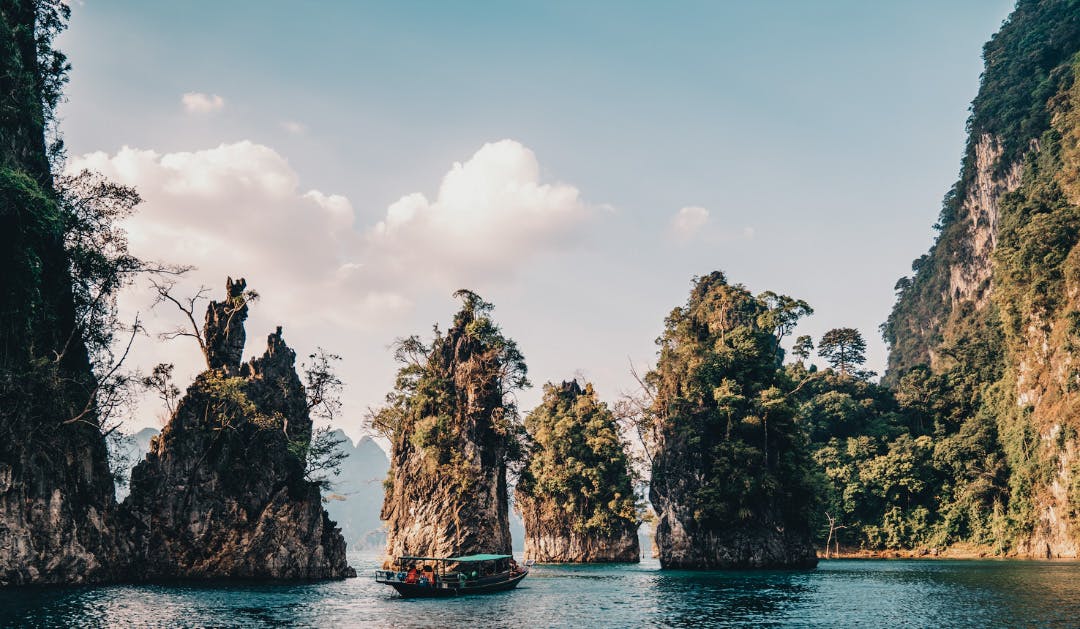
(843, 348)
(578, 475)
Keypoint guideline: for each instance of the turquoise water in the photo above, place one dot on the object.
(840, 593)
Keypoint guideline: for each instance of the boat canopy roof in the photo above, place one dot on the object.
(468, 558)
(463, 559)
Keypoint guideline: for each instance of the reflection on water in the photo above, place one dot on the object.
(840, 593)
(684, 598)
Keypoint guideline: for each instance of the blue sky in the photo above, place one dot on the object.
(818, 137)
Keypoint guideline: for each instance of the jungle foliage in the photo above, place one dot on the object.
(461, 380)
(578, 475)
(988, 378)
(728, 451)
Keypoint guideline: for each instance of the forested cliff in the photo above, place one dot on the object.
(56, 493)
(729, 467)
(984, 335)
(223, 492)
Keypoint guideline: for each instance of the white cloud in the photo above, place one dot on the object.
(696, 223)
(689, 221)
(200, 103)
(490, 213)
(293, 127)
(240, 210)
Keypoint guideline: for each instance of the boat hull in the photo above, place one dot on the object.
(485, 586)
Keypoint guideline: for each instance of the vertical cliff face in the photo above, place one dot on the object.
(454, 428)
(222, 491)
(991, 310)
(56, 493)
(576, 494)
(729, 469)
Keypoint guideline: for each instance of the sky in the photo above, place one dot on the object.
(575, 163)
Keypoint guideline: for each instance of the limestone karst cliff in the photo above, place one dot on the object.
(986, 328)
(576, 492)
(728, 468)
(56, 492)
(454, 428)
(222, 492)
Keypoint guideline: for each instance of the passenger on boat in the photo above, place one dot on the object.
(413, 575)
(429, 574)
(513, 566)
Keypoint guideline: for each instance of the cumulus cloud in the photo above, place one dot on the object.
(240, 210)
(490, 212)
(200, 103)
(689, 221)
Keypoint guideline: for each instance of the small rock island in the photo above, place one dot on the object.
(576, 492)
(454, 428)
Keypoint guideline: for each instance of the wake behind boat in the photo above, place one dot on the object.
(453, 576)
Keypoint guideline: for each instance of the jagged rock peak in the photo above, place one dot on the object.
(222, 492)
(278, 360)
(224, 327)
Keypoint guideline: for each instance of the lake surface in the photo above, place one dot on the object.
(840, 593)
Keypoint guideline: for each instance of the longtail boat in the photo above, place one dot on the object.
(452, 576)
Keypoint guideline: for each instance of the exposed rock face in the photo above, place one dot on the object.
(575, 493)
(970, 274)
(222, 492)
(56, 493)
(767, 540)
(755, 546)
(224, 327)
(447, 492)
(567, 546)
(56, 508)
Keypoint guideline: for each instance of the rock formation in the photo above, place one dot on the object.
(990, 314)
(576, 493)
(453, 428)
(727, 484)
(222, 492)
(56, 492)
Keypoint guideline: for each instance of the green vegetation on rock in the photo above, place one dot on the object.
(729, 471)
(577, 483)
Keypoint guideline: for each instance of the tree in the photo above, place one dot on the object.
(782, 313)
(323, 385)
(843, 348)
(234, 305)
(160, 381)
(804, 347)
(322, 455)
